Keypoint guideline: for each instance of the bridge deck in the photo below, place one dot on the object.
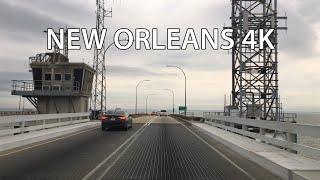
(167, 150)
(164, 149)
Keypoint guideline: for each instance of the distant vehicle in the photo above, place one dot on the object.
(115, 119)
(163, 113)
(153, 114)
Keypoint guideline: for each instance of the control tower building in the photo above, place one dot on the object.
(58, 86)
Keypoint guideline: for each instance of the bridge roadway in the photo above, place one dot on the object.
(155, 148)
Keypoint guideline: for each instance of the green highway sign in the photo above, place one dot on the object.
(182, 108)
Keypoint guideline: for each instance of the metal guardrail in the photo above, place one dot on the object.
(288, 117)
(216, 113)
(189, 114)
(12, 125)
(232, 124)
(284, 117)
(12, 113)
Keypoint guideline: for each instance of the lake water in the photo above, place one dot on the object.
(309, 118)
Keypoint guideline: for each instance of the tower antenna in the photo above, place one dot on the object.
(255, 71)
(99, 91)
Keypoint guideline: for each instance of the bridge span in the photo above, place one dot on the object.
(155, 148)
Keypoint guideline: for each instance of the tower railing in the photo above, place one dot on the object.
(41, 85)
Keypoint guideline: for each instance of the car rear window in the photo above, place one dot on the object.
(116, 112)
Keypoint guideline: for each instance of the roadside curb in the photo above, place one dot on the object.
(266, 158)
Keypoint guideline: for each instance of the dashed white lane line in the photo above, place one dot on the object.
(94, 170)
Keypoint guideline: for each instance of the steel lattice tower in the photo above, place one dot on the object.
(255, 72)
(99, 90)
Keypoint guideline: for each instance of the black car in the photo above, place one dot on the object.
(116, 119)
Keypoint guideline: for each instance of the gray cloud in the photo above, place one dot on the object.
(63, 10)
(310, 10)
(208, 60)
(21, 23)
(7, 77)
(116, 70)
(12, 64)
(300, 38)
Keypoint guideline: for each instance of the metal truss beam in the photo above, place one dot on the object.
(255, 71)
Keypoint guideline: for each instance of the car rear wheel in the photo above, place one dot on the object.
(126, 127)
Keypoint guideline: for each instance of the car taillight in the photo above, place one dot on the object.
(122, 118)
(104, 118)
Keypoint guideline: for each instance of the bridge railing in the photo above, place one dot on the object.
(189, 114)
(277, 133)
(19, 124)
(12, 113)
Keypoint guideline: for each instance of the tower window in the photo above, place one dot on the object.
(57, 77)
(47, 77)
(67, 77)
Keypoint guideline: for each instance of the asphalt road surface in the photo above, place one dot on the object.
(156, 148)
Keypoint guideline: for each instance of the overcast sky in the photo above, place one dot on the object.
(209, 72)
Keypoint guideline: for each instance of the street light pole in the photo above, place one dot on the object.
(104, 90)
(104, 55)
(172, 92)
(147, 101)
(185, 87)
(136, 110)
(110, 45)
